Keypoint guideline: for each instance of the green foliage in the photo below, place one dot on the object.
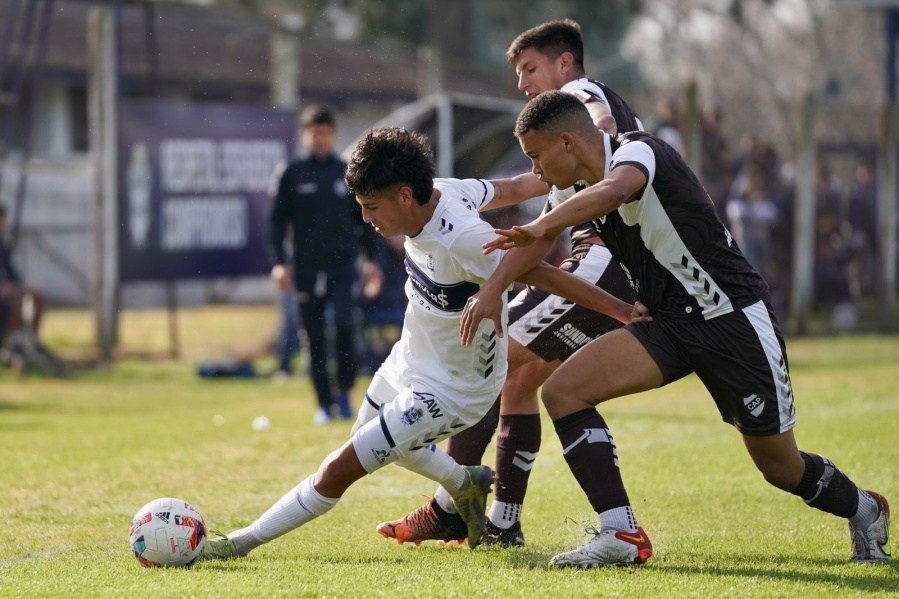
(79, 457)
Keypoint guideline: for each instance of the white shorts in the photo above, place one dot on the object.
(397, 420)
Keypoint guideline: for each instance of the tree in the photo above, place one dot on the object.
(757, 58)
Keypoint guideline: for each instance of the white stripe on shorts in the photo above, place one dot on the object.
(758, 317)
(590, 268)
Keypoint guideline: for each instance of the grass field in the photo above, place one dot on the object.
(78, 457)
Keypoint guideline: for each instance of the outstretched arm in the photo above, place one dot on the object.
(591, 203)
(562, 283)
(488, 302)
(515, 190)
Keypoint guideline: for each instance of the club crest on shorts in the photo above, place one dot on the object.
(412, 415)
(754, 404)
(430, 263)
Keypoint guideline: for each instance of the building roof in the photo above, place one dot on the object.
(225, 53)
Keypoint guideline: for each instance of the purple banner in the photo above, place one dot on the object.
(194, 188)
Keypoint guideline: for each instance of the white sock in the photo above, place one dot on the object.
(434, 463)
(445, 500)
(297, 507)
(619, 518)
(503, 514)
(867, 511)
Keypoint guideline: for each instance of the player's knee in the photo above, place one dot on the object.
(338, 471)
(553, 396)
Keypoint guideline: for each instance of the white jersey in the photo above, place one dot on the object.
(446, 266)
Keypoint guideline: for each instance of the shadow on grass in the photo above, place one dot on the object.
(870, 576)
(16, 406)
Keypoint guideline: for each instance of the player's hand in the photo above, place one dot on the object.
(516, 236)
(374, 280)
(477, 308)
(281, 276)
(640, 313)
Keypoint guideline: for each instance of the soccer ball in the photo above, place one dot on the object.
(167, 532)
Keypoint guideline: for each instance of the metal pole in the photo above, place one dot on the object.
(102, 94)
(887, 192)
(30, 114)
(284, 74)
(804, 223)
(445, 150)
(692, 130)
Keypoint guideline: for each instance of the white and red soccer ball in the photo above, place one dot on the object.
(167, 532)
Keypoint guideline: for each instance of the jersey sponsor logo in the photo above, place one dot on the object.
(307, 188)
(572, 336)
(430, 403)
(754, 404)
(449, 298)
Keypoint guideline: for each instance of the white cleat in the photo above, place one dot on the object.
(872, 544)
(607, 548)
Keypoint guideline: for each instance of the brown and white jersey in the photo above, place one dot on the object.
(679, 256)
(589, 91)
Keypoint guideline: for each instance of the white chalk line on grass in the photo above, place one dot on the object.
(32, 555)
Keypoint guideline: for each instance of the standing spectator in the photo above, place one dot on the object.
(287, 342)
(717, 164)
(753, 215)
(667, 124)
(327, 233)
(862, 216)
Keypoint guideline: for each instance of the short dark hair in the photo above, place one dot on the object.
(551, 39)
(317, 114)
(553, 112)
(389, 156)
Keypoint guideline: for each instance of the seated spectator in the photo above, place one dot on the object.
(25, 305)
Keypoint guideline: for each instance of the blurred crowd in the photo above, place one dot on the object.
(753, 187)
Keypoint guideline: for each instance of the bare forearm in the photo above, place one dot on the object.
(559, 282)
(586, 205)
(517, 262)
(515, 190)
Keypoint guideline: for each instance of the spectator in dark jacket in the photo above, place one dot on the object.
(314, 209)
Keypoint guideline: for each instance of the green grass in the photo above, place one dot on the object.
(79, 457)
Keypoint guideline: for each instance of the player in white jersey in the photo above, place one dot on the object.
(545, 329)
(711, 315)
(431, 386)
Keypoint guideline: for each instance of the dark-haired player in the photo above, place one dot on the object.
(711, 313)
(545, 329)
(430, 386)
